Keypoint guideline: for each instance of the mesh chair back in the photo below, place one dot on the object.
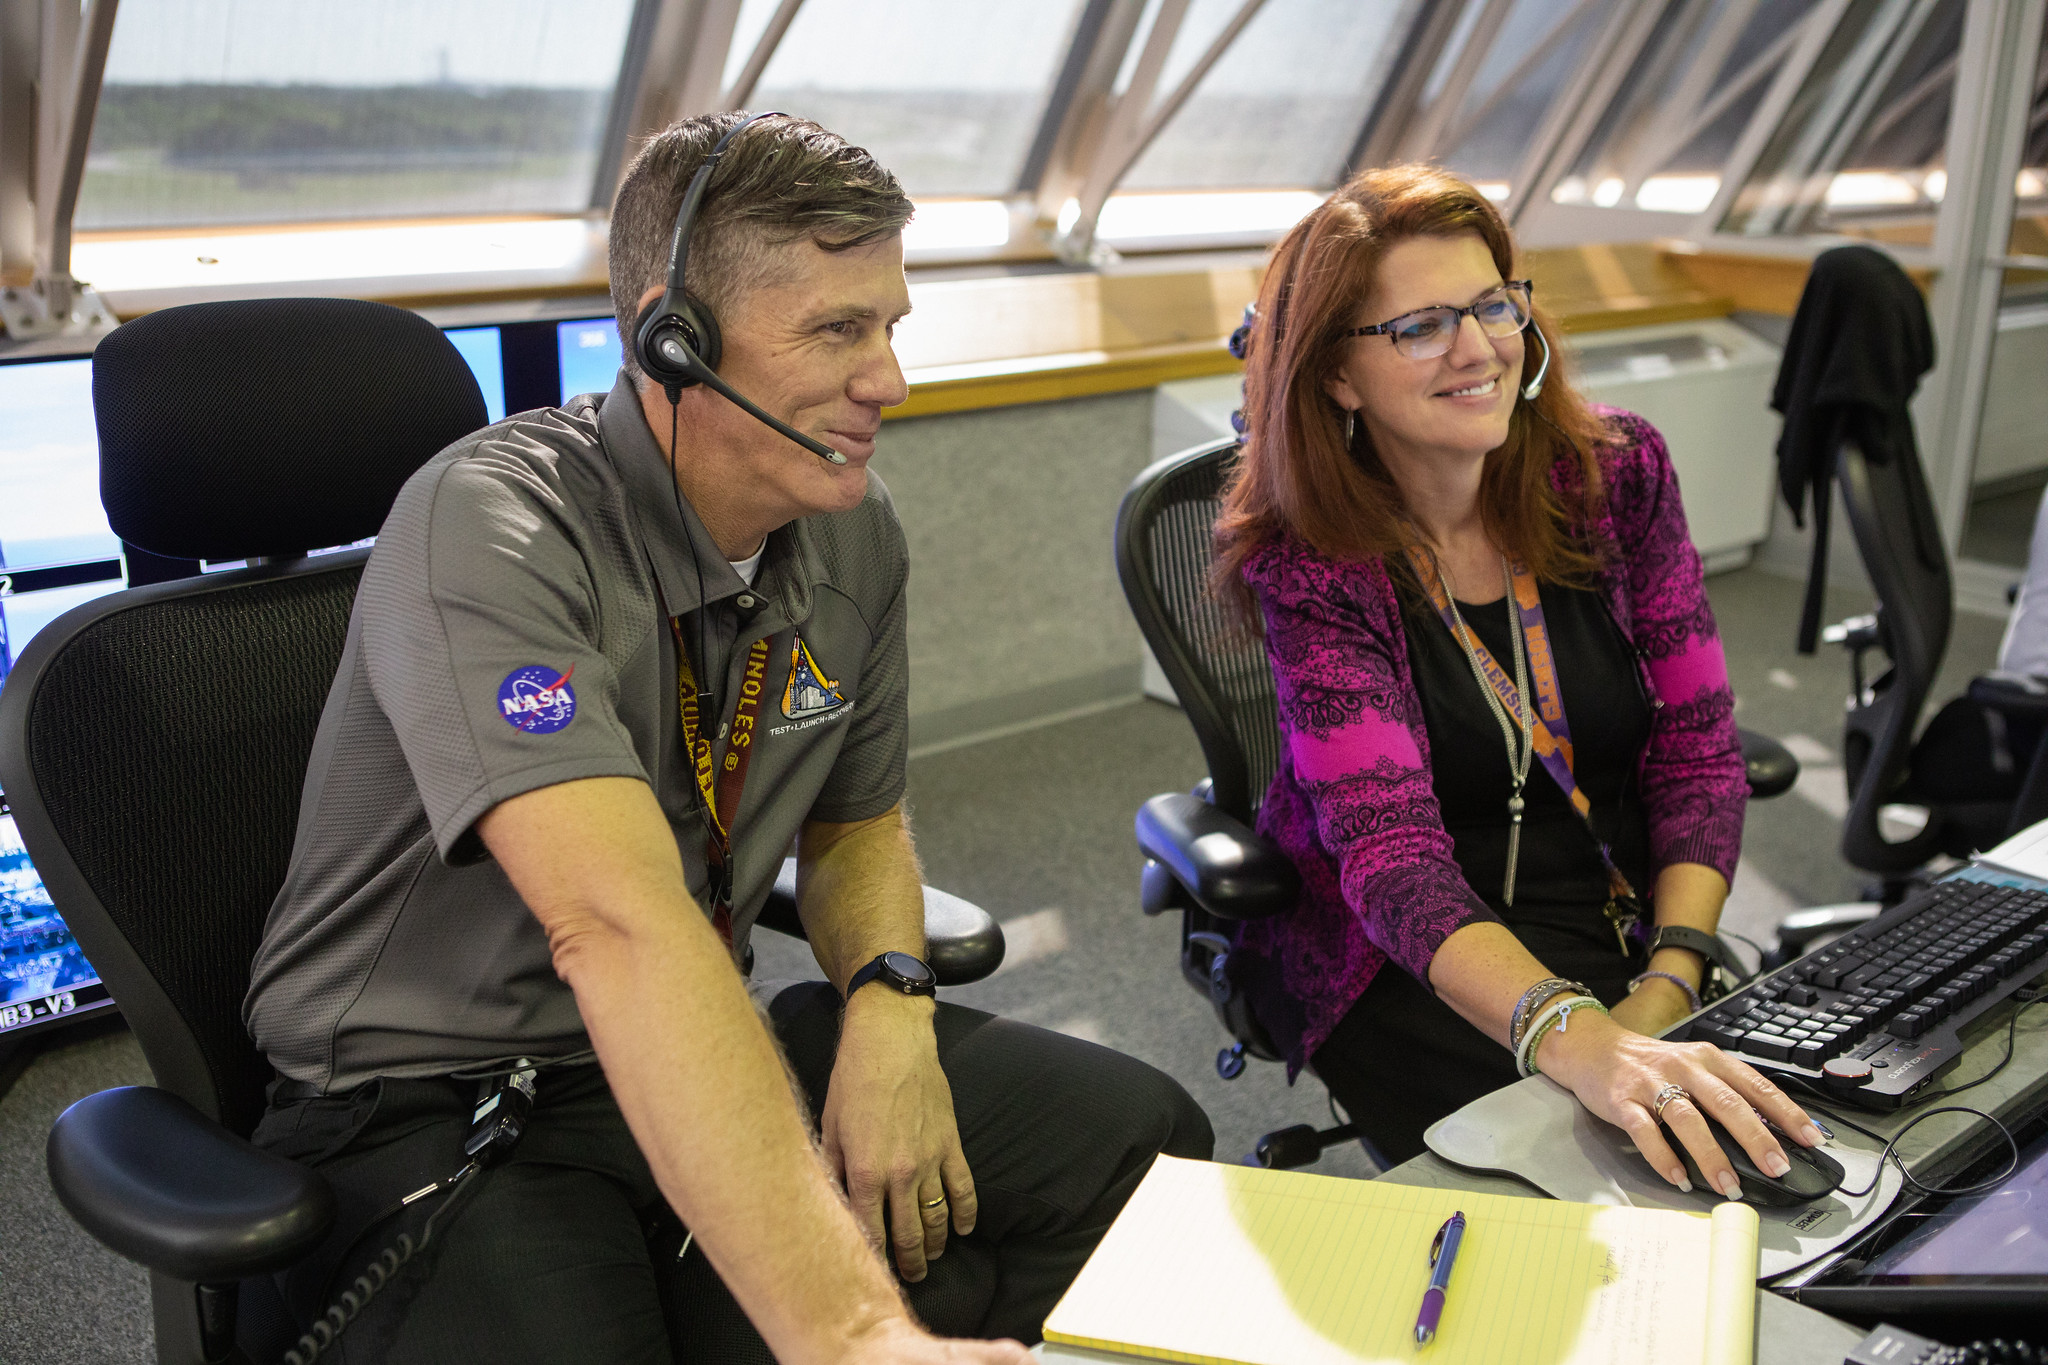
(1891, 514)
(1217, 664)
(153, 745)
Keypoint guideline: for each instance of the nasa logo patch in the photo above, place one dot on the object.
(537, 699)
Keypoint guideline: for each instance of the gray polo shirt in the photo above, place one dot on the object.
(511, 632)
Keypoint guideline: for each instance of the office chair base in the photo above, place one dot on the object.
(1288, 1149)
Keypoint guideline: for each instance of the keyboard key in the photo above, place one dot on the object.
(1770, 1048)
(1835, 973)
(1802, 995)
(1911, 1024)
(1810, 1054)
(1721, 1036)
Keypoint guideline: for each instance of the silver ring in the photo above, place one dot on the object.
(933, 1203)
(1669, 1093)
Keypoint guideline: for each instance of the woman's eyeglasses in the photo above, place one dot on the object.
(1427, 333)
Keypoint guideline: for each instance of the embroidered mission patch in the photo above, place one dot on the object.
(537, 699)
(809, 692)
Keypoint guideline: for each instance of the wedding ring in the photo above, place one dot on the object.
(933, 1203)
(1665, 1096)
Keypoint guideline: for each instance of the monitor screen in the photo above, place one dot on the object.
(56, 549)
(2002, 1232)
(590, 355)
(44, 978)
(484, 349)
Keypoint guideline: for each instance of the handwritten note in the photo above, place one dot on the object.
(1232, 1265)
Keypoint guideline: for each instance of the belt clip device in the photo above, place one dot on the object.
(503, 1104)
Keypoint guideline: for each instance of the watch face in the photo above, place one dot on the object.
(909, 969)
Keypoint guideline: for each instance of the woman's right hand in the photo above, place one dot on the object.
(1617, 1074)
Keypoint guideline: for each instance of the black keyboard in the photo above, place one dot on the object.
(1892, 995)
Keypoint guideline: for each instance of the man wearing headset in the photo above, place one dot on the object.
(607, 661)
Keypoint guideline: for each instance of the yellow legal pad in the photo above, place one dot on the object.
(1231, 1265)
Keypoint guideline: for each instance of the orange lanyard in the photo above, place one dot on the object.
(1551, 731)
(719, 785)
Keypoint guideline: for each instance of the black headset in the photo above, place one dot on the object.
(676, 341)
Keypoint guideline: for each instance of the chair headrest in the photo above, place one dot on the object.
(271, 426)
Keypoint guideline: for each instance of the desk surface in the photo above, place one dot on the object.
(1789, 1333)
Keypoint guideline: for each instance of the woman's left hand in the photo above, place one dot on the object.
(1652, 1007)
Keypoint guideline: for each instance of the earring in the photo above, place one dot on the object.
(1350, 426)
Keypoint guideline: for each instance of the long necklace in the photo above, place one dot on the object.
(1521, 727)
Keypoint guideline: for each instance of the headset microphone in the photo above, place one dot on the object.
(1535, 386)
(676, 341)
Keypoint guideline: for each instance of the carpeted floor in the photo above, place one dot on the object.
(1036, 827)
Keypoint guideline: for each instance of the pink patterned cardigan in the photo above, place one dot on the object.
(1352, 803)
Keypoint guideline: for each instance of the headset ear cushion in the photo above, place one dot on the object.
(702, 324)
(696, 326)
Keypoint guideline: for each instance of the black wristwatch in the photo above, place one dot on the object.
(900, 972)
(1697, 941)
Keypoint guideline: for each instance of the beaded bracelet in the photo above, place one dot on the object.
(1692, 997)
(1533, 1000)
(1556, 1015)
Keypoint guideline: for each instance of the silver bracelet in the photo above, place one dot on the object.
(1692, 997)
(1532, 1002)
(1556, 1012)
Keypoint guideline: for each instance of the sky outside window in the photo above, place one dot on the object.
(946, 94)
(1283, 106)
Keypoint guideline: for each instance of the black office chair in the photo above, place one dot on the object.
(1201, 855)
(1977, 767)
(153, 745)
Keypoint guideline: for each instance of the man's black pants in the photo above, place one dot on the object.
(567, 1252)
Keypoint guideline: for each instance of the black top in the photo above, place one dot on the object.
(1560, 882)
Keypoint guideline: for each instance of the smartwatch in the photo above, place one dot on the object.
(1691, 940)
(900, 972)
(1708, 946)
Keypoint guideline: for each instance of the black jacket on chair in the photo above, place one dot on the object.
(1859, 344)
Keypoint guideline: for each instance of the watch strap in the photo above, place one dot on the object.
(1698, 941)
(877, 968)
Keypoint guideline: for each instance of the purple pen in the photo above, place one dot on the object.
(1443, 1256)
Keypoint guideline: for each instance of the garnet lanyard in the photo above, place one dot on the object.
(719, 785)
(1552, 732)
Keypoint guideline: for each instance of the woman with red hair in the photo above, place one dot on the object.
(1508, 745)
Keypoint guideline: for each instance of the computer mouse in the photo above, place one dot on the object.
(1813, 1172)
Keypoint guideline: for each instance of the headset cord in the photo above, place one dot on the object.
(328, 1327)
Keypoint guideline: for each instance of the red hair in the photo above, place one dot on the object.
(1296, 474)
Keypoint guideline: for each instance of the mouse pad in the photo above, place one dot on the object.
(1537, 1131)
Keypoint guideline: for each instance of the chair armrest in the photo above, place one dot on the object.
(962, 941)
(1231, 871)
(153, 1179)
(1769, 765)
(1802, 927)
(2011, 694)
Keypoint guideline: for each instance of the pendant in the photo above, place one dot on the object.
(1507, 887)
(1623, 921)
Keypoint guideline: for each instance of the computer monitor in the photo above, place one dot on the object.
(484, 350)
(589, 354)
(45, 981)
(56, 549)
